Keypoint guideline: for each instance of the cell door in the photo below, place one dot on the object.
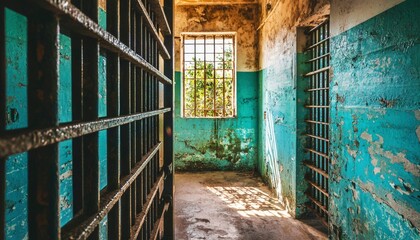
(317, 129)
(86, 119)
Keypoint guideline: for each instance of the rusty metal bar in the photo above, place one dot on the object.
(317, 137)
(317, 153)
(317, 122)
(316, 106)
(317, 89)
(318, 58)
(317, 44)
(317, 71)
(317, 203)
(152, 29)
(84, 229)
(85, 26)
(168, 123)
(313, 184)
(113, 110)
(17, 141)
(156, 233)
(316, 169)
(326, 21)
(141, 218)
(43, 178)
(161, 17)
(90, 82)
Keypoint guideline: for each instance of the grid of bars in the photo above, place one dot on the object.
(208, 75)
(137, 201)
(317, 130)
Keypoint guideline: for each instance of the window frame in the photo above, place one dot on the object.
(232, 35)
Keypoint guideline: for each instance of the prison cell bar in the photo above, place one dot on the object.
(318, 122)
(33, 139)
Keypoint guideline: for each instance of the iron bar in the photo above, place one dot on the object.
(87, 27)
(317, 71)
(152, 29)
(161, 17)
(318, 43)
(85, 228)
(113, 110)
(18, 141)
(317, 137)
(317, 203)
(159, 223)
(313, 184)
(316, 106)
(43, 179)
(316, 169)
(318, 58)
(168, 123)
(317, 89)
(317, 122)
(325, 22)
(317, 153)
(149, 200)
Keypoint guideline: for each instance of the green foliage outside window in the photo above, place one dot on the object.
(209, 83)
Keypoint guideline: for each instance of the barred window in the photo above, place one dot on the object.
(209, 75)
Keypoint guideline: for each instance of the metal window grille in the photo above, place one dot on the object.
(317, 130)
(93, 78)
(208, 75)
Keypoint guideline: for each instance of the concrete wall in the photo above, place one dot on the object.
(375, 150)
(220, 144)
(375, 120)
(279, 146)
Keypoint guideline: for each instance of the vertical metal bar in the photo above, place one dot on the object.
(195, 76)
(113, 109)
(205, 77)
(43, 177)
(125, 107)
(168, 126)
(133, 110)
(2, 118)
(90, 112)
(224, 83)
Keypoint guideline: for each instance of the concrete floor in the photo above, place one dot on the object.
(228, 205)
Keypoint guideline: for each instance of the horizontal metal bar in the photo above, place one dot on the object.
(319, 25)
(84, 229)
(318, 43)
(18, 141)
(159, 223)
(316, 106)
(317, 71)
(317, 137)
(317, 122)
(317, 58)
(88, 27)
(316, 89)
(317, 153)
(316, 169)
(141, 217)
(323, 191)
(152, 29)
(318, 203)
(321, 218)
(161, 17)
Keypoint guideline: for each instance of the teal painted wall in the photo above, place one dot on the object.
(17, 118)
(375, 127)
(219, 144)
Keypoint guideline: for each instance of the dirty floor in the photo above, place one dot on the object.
(229, 205)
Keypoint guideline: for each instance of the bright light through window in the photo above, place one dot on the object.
(209, 75)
